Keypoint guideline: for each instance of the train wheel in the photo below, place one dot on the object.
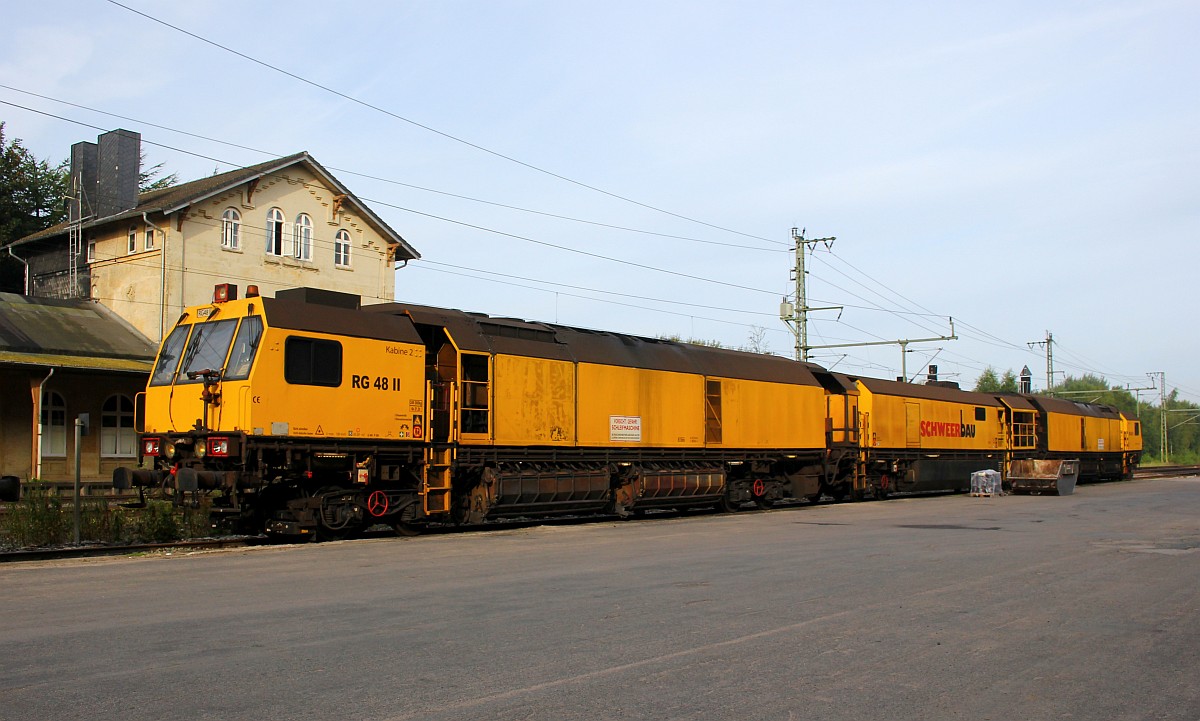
(728, 505)
(340, 516)
(406, 529)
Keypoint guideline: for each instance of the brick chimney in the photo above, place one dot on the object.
(108, 172)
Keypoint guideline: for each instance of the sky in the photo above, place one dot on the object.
(1023, 168)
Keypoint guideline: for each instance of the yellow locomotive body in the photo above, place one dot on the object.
(1131, 444)
(305, 414)
(925, 437)
(353, 386)
(1106, 443)
(544, 418)
(301, 402)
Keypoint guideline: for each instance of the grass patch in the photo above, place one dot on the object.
(43, 518)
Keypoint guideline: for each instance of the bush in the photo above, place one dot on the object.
(157, 523)
(37, 520)
(43, 518)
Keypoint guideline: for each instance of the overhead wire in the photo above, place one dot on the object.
(391, 181)
(980, 334)
(453, 221)
(429, 128)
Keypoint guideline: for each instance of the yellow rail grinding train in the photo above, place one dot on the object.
(307, 415)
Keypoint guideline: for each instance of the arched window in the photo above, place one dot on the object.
(341, 249)
(132, 239)
(302, 235)
(54, 425)
(231, 229)
(274, 231)
(117, 438)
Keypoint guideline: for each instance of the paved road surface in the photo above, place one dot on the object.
(1080, 607)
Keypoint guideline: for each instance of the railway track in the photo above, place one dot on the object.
(64, 552)
(90, 551)
(1166, 472)
(60, 552)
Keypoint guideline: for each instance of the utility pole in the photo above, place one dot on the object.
(796, 316)
(1049, 345)
(1162, 407)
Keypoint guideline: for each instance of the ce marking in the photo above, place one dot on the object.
(256, 399)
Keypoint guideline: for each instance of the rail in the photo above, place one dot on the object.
(1147, 472)
(67, 552)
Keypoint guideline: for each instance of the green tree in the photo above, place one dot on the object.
(32, 196)
(990, 382)
(1096, 389)
(148, 179)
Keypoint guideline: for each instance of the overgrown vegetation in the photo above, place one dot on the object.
(1183, 417)
(756, 341)
(43, 518)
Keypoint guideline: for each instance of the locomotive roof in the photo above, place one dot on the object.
(1017, 402)
(482, 333)
(1075, 408)
(316, 318)
(929, 392)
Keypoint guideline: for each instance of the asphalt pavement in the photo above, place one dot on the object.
(953, 607)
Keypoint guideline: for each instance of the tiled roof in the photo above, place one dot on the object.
(177, 197)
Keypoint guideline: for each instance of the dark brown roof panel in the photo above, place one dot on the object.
(1074, 408)
(936, 393)
(1016, 402)
(462, 327)
(338, 321)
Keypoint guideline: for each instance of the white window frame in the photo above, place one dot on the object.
(54, 435)
(277, 230)
(302, 237)
(132, 246)
(91, 250)
(341, 249)
(118, 440)
(149, 238)
(231, 228)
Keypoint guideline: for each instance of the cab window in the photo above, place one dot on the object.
(207, 349)
(312, 362)
(168, 357)
(245, 346)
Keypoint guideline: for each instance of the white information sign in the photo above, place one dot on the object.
(625, 429)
